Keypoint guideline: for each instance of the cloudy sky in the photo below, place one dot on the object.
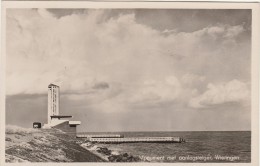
(131, 70)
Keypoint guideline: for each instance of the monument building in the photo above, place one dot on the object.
(54, 119)
(53, 101)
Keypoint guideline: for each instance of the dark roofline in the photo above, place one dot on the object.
(61, 116)
(52, 85)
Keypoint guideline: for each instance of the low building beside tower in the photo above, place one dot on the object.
(54, 119)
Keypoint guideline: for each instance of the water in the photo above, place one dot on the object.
(205, 146)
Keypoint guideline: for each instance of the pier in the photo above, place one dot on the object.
(137, 139)
(100, 136)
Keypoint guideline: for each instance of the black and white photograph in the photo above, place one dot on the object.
(135, 85)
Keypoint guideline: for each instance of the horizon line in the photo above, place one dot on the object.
(166, 131)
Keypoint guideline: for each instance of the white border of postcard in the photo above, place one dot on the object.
(174, 5)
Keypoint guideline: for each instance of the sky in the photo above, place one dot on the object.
(131, 69)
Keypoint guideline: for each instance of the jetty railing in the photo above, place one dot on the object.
(138, 139)
(100, 136)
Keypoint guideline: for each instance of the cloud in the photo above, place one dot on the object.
(192, 79)
(205, 41)
(216, 94)
(45, 14)
(114, 60)
(115, 67)
(223, 31)
(154, 93)
(75, 51)
(101, 85)
(234, 31)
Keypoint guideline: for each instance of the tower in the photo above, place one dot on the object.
(55, 120)
(53, 101)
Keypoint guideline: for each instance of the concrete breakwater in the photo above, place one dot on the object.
(100, 136)
(138, 139)
(119, 138)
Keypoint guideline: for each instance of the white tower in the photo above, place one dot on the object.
(53, 101)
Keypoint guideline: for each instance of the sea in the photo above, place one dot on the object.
(200, 147)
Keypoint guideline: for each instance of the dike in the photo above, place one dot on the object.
(42, 145)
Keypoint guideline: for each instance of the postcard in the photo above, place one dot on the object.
(142, 83)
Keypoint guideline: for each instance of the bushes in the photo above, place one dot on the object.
(123, 158)
(104, 151)
(117, 158)
(11, 129)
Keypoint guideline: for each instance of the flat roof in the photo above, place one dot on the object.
(74, 122)
(52, 85)
(61, 116)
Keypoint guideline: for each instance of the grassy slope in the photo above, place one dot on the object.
(44, 146)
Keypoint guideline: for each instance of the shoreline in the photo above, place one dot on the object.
(107, 154)
(35, 145)
(93, 151)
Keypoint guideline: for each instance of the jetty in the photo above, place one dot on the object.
(137, 139)
(119, 138)
(100, 136)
